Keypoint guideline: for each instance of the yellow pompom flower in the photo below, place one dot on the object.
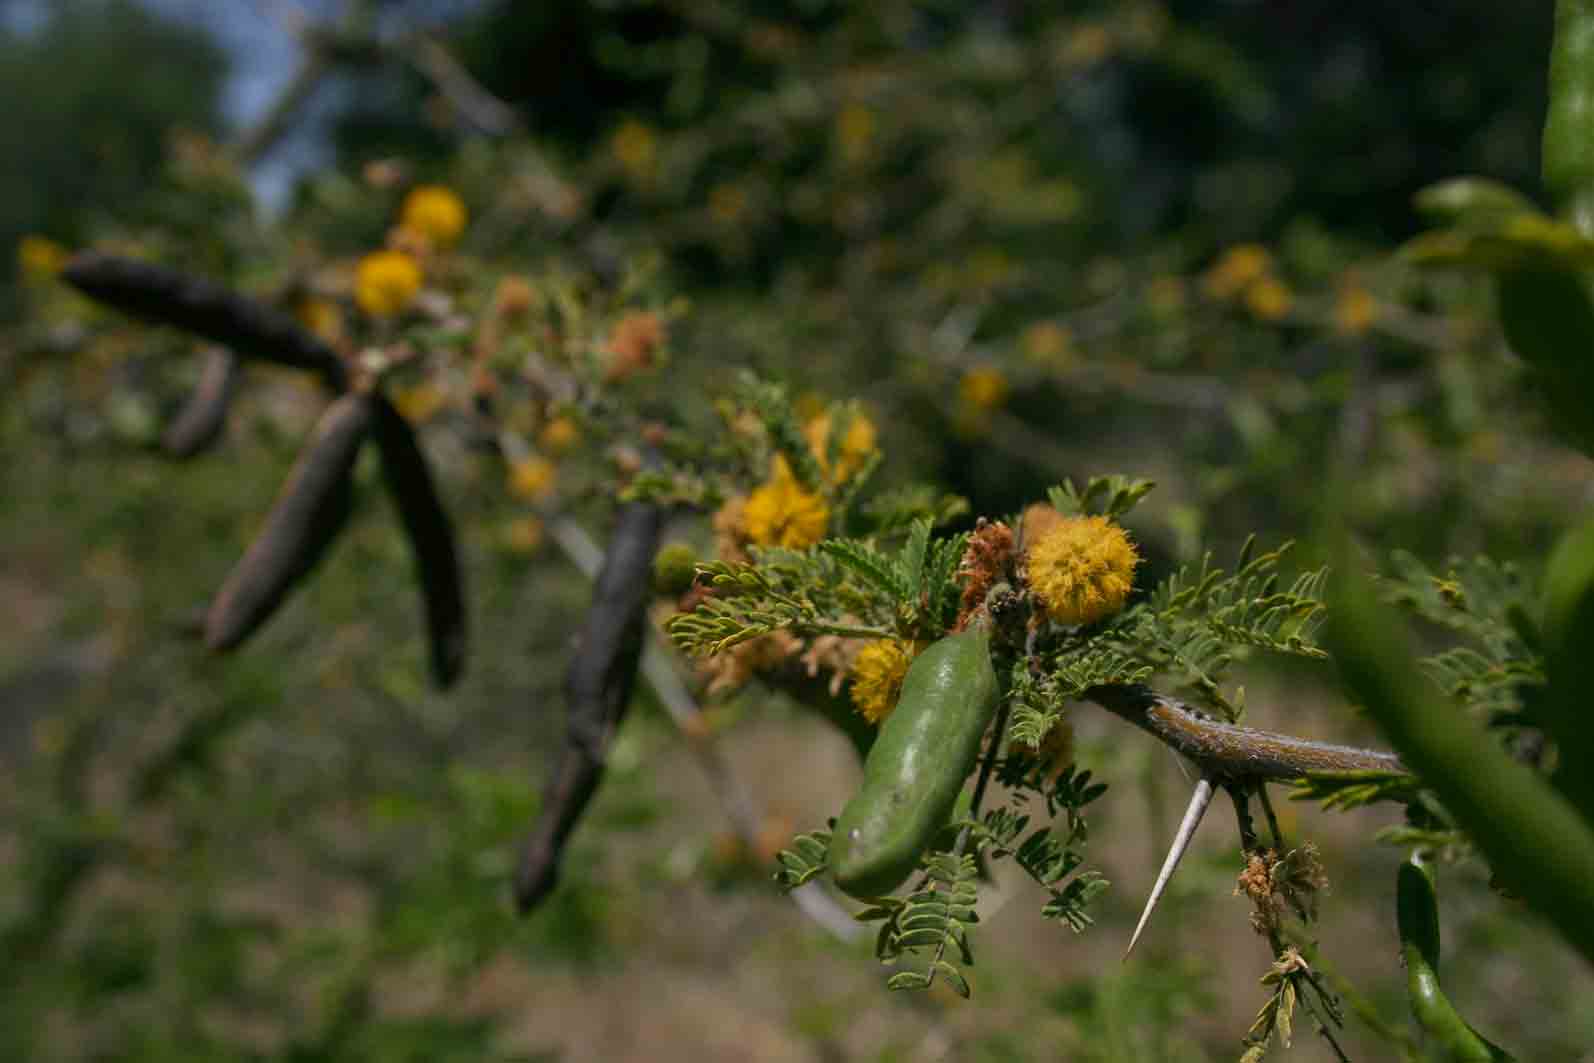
(419, 403)
(855, 448)
(1355, 310)
(636, 148)
(781, 512)
(523, 535)
(1082, 569)
(1268, 298)
(559, 435)
(435, 212)
(984, 388)
(727, 202)
(40, 258)
(1047, 343)
(877, 674)
(532, 479)
(320, 316)
(855, 132)
(386, 282)
(1238, 268)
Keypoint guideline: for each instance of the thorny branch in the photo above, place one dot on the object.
(1230, 751)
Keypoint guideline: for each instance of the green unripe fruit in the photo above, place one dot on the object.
(917, 767)
(1569, 121)
(1417, 914)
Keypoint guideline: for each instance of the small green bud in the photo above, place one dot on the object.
(674, 568)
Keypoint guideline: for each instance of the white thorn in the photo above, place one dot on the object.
(1199, 801)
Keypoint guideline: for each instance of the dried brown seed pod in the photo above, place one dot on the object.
(309, 512)
(598, 685)
(169, 297)
(199, 423)
(431, 536)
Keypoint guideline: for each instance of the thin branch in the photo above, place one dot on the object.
(1272, 817)
(1360, 1005)
(851, 631)
(456, 84)
(254, 142)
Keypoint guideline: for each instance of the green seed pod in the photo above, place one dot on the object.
(917, 767)
(431, 537)
(1569, 120)
(307, 516)
(198, 424)
(1417, 913)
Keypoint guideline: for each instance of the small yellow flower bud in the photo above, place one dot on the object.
(984, 388)
(1047, 343)
(856, 447)
(419, 403)
(40, 258)
(1235, 270)
(523, 535)
(1268, 298)
(320, 316)
(1355, 310)
(532, 479)
(435, 212)
(386, 282)
(636, 149)
(559, 435)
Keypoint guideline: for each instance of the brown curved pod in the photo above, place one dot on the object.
(204, 308)
(309, 512)
(198, 424)
(431, 536)
(597, 687)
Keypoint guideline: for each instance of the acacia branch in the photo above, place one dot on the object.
(1230, 751)
(264, 133)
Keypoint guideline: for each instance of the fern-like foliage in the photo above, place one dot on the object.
(839, 587)
(896, 508)
(887, 575)
(930, 924)
(1478, 597)
(1051, 855)
(1487, 604)
(772, 406)
(1194, 625)
(1107, 496)
(1345, 790)
(754, 600)
(808, 856)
